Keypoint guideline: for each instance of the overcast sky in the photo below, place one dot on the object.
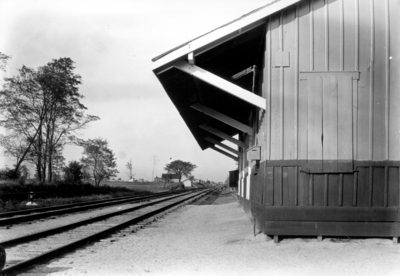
(112, 44)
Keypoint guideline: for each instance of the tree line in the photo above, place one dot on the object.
(41, 110)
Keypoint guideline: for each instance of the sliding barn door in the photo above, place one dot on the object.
(328, 120)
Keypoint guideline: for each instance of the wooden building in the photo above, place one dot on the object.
(311, 88)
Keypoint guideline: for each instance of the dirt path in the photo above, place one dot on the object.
(218, 240)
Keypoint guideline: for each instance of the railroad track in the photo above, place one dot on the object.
(26, 251)
(8, 218)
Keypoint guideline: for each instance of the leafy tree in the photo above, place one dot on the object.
(43, 106)
(3, 61)
(73, 172)
(14, 146)
(181, 168)
(99, 159)
(130, 169)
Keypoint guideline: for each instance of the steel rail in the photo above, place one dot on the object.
(19, 267)
(29, 217)
(56, 207)
(42, 234)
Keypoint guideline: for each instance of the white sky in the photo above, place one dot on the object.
(112, 44)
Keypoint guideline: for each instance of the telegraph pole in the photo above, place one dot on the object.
(154, 160)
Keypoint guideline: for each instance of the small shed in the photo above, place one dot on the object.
(170, 177)
(311, 88)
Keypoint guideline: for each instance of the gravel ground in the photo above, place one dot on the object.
(218, 239)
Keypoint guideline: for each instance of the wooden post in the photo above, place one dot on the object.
(276, 239)
(319, 238)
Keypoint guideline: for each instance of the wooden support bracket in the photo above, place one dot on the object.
(223, 135)
(223, 118)
(215, 142)
(225, 153)
(222, 84)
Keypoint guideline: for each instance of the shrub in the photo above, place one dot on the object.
(73, 172)
(9, 174)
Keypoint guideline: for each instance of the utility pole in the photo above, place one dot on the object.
(154, 160)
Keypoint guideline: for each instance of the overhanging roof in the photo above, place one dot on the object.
(222, 53)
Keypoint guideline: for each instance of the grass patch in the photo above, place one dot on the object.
(14, 196)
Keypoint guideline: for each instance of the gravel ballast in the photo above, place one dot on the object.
(218, 239)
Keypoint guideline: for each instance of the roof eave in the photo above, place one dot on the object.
(220, 35)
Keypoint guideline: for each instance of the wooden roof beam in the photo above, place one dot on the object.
(222, 84)
(215, 142)
(223, 135)
(224, 153)
(220, 35)
(223, 118)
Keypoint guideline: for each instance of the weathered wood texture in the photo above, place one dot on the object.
(330, 134)
(329, 41)
(374, 184)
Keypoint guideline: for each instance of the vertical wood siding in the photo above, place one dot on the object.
(333, 36)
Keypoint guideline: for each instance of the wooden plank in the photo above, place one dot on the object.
(364, 45)
(296, 85)
(304, 36)
(345, 121)
(278, 186)
(269, 186)
(355, 189)
(340, 190)
(209, 139)
(348, 189)
(352, 74)
(334, 190)
(331, 213)
(319, 190)
(222, 84)
(363, 187)
(326, 189)
(296, 186)
(379, 83)
(289, 93)
(223, 135)
(393, 189)
(268, 68)
(320, 35)
(311, 190)
(385, 188)
(365, 229)
(370, 185)
(330, 123)
(276, 94)
(224, 153)
(223, 118)
(303, 189)
(303, 120)
(289, 186)
(315, 123)
(394, 82)
(378, 186)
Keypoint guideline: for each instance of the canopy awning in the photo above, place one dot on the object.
(215, 80)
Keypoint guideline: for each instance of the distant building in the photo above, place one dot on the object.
(170, 177)
(158, 179)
